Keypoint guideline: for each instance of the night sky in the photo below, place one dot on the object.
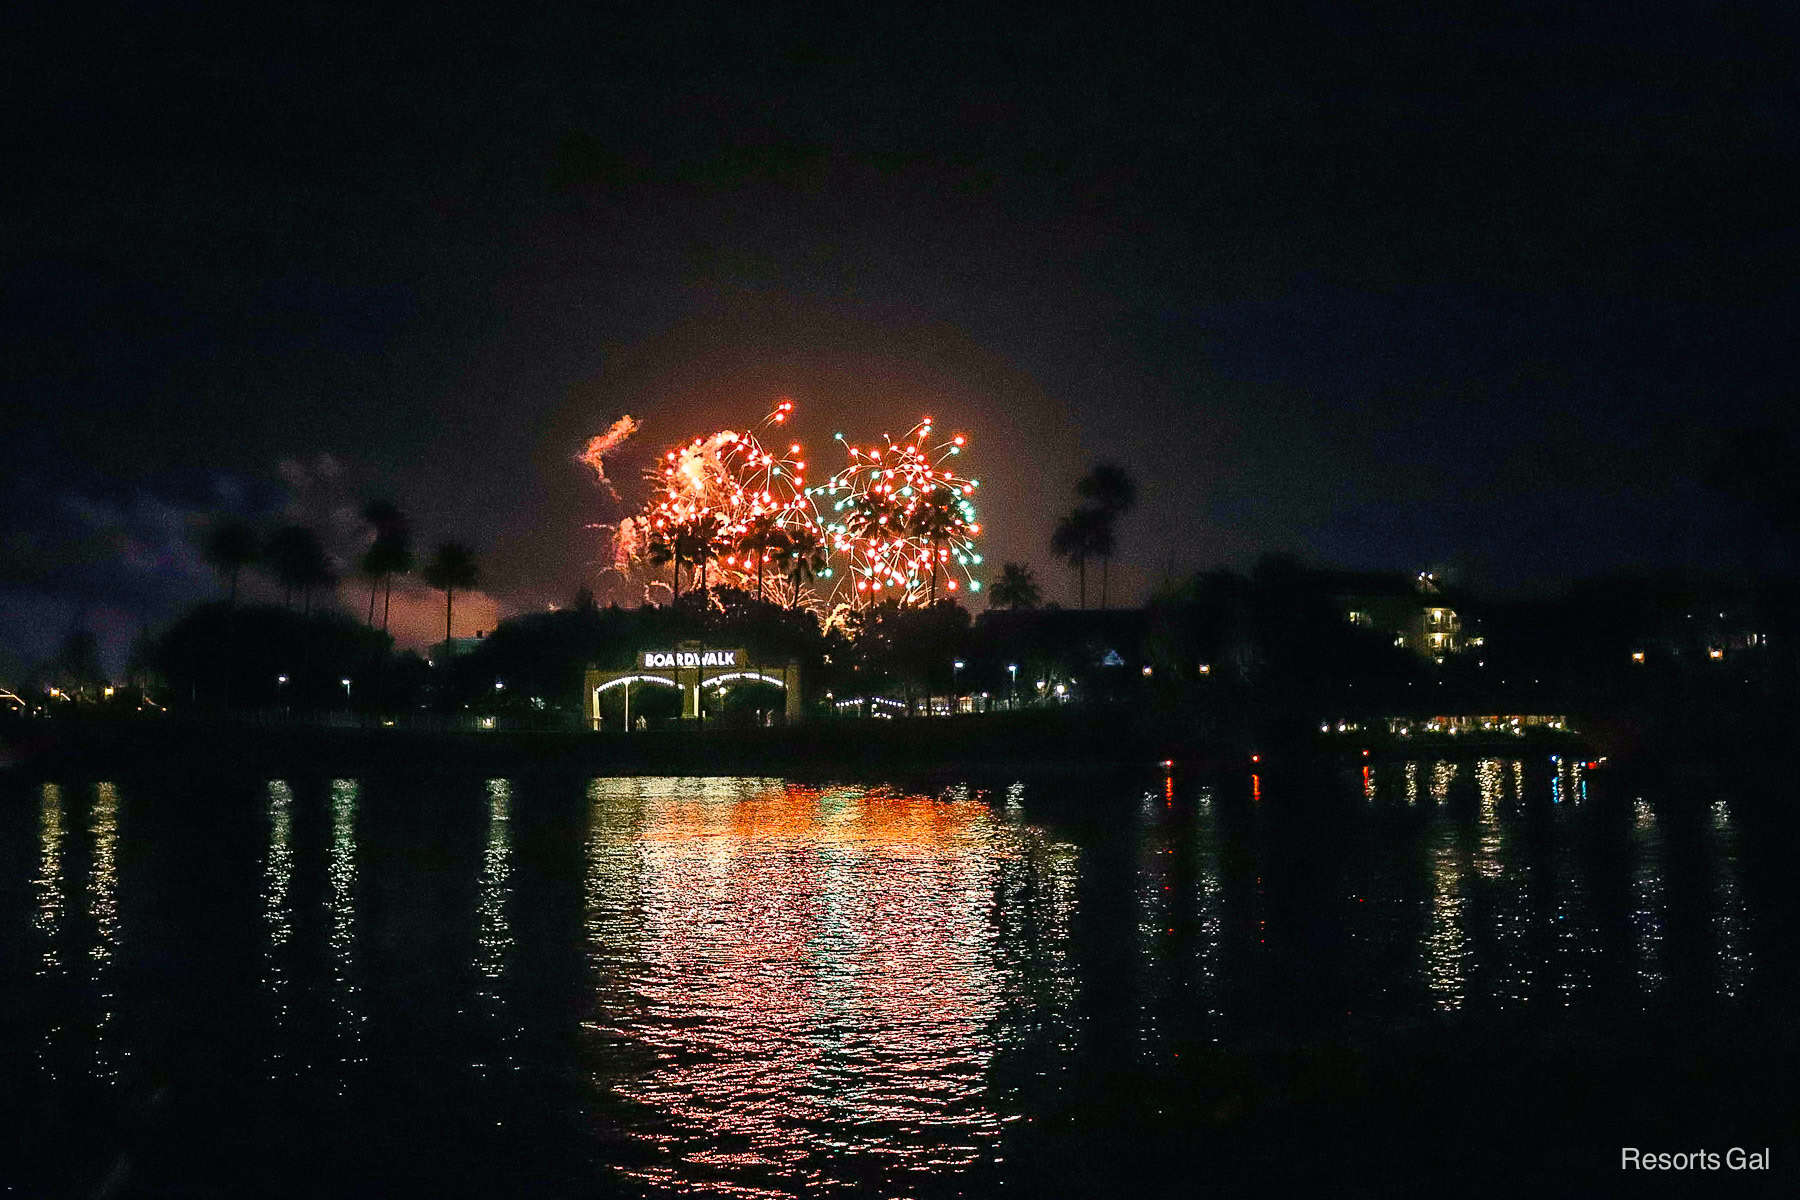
(1386, 289)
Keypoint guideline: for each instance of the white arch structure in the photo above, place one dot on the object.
(721, 680)
(626, 679)
(691, 681)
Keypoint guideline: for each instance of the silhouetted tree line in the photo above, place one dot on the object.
(1267, 646)
(1258, 649)
(296, 559)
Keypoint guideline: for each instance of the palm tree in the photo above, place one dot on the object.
(758, 542)
(370, 568)
(321, 577)
(1110, 489)
(230, 548)
(388, 555)
(697, 541)
(299, 561)
(452, 566)
(935, 518)
(662, 549)
(1016, 588)
(398, 561)
(1083, 534)
(802, 559)
(383, 516)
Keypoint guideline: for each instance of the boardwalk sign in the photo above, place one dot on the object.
(688, 659)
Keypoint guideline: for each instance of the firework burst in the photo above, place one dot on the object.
(896, 523)
(735, 510)
(900, 518)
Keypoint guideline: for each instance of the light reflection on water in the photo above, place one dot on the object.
(103, 910)
(278, 919)
(493, 939)
(1732, 911)
(1575, 944)
(1209, 904)
(47, 917)
(1647, 897)
(800, 969)
(341, 900)
(1158, 966)
(778, 988)
(1446, 944)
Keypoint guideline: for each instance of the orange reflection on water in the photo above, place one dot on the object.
(790, 959)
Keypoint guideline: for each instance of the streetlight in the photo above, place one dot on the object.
(1013, 670)
(956, 667)
(499, 685)
(346, 682)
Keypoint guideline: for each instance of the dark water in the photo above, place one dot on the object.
(752, 987)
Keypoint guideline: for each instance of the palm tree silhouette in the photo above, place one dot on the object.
(758, 543)
(935, 518)
(1083, 534)
(697, 541)
(452, 566)
(1108, 488)
(300, 563)
(802, 559)
(1016, 587)
(388, 555)
(662, 549)
(230, 548)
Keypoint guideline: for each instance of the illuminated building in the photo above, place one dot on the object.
(1416, 612)
(693, 671)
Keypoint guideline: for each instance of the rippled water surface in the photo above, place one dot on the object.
(753, 987)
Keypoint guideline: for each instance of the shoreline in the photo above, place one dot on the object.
(1084, 741)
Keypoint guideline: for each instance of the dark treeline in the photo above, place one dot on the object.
(1284, 646)
(1276, 643)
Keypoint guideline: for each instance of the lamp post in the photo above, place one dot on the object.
(346, 682)
(956, 666)
(1013, 670)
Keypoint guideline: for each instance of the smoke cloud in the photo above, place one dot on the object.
(599, 446)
